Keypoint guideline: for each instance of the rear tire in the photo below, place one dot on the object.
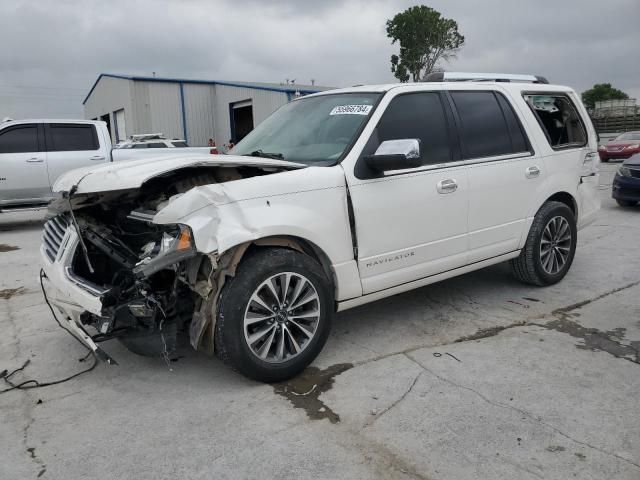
(274, 315)
(626, 203)
(550, 247)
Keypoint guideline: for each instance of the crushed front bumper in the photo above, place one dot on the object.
(68, 295)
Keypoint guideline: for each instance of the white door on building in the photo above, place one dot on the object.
(121, 130)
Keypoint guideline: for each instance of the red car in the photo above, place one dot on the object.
(621, 147)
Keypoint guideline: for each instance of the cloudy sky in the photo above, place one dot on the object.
(53, 50)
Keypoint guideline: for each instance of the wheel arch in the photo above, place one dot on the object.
(566, 198)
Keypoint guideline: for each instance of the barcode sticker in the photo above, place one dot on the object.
(351, 110)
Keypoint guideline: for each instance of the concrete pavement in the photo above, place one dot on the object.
(475, 377)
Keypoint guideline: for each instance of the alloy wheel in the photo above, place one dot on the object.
(555, 245)
(281, 317)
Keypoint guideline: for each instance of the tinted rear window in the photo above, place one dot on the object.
(19, 139)
(484, 130)
(66, 137)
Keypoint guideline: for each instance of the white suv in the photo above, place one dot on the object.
(336, 200)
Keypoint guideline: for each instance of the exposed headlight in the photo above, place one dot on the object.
(624, 171)
(173, 247)
(633, 147)
(602, 147)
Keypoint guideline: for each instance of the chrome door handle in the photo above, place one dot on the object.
(96, 158)
(532, 172)
(447, 186)
(35, 160)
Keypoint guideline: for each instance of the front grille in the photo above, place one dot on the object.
(614, 149)
(54, 232)
(634, 172)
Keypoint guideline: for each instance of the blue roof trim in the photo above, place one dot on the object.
(287, 90)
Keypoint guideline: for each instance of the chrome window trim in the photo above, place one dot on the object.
(458, 163)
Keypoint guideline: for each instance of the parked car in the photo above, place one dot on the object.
(621, 147)
(626, 183)
(34, 153)
(336, 200)
(155, 140)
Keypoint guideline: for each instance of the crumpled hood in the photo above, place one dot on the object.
(132, 174)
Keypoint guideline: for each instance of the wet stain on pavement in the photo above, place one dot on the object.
(304, 390)
(488, 332)
(596, 340)
(7, 293)
(7, 248)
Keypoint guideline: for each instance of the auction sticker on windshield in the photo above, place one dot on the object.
(351, 110)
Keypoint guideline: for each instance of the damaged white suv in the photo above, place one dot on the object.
(336, 200)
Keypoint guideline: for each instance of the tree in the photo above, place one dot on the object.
(600, 92)
(425, 38)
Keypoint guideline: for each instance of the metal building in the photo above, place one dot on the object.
(195, 110)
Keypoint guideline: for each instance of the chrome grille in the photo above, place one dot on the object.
(53, 234)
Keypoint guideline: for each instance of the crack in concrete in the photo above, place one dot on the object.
(522, 412)
(395, 403)
(28, 399)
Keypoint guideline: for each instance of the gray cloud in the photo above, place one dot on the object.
(54, 50)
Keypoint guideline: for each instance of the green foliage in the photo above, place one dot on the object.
(425, 38)
(600, 92)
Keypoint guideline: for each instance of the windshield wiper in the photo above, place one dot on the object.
(260, 153)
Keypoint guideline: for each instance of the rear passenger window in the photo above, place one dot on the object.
(488, 125)
(559, 119)
(68, 137)
(19, 139)
(420, 116)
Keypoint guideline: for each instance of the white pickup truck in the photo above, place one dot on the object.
(34, 153)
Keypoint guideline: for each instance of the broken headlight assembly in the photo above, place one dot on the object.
(174, 246)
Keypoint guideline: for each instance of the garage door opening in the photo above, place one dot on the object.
(106, 118)
(241, 119)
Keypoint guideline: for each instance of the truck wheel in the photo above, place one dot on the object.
(550, 248)
(626, 203)
(274, 315)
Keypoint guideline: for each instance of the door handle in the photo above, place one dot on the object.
(447, 186)
(35, 160)
(96, 158)
(532, 172)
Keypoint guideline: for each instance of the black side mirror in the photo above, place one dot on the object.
(395, 155)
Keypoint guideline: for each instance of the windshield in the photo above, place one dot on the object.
(314, 130)
(629, 136)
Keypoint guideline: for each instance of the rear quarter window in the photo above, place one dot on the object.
(559, 119)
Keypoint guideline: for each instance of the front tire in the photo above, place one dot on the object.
(626, 203)
(274, 315)
(550, 248)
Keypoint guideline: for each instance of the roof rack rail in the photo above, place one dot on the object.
(483, 77)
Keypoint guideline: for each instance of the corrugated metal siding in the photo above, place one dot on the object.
(141, 108)
(110, 95)
(198, 103)
(165, 109)
(264, 104)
